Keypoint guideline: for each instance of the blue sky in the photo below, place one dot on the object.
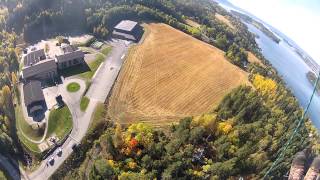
(298, 19)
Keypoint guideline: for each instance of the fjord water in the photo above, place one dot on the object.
(293, 71)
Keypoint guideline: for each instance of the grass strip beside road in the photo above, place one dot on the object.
(60, 122)
(106, 50)
(84, 103)
(99, 115)
(73, 87)
(93, 67)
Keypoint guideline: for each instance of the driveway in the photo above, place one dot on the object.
(104, 78)
(99, 90)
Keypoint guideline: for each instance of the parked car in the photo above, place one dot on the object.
(75, 147)
(59, 151)
(51, 160)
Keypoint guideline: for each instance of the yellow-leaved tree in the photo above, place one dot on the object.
(14, 78)
(264, 85)
(208, 121)
(117, 138)
(6, 101)
(224, 127)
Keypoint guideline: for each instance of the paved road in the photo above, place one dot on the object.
(107, 74)
(13, 169)
(99, 90)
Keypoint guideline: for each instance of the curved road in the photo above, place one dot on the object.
(100, 88)
(12, 169)
(9, 168)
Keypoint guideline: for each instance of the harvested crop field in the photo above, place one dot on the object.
(223, 19)
(192, 23)
(253, 59)
(169, 76)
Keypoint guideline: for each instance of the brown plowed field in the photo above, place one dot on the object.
(169, 76)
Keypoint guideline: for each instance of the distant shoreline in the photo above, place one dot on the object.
(312, 77)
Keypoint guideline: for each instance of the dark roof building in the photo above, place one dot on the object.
(44, 69)
(33, 96)
(128, 30)
(33, 57)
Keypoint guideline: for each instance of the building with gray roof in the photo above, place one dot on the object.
(39, 70)
(43, 70)
(33, 57)
(33, 97)
(68, 59)
(36, 66)
(128, 30)
(126, 25)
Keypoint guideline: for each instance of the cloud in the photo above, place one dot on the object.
(298, 19)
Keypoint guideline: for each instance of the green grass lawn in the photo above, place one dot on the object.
(106, 50)
(84, 103)
(98, 116)
(93, 67)
(32, 147)
(73, 87)
(23, 126)
(60, 122)
(2, 175)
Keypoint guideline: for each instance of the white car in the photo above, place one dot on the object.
(51, 160)
(59, 151)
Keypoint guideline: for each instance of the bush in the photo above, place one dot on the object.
(73, 87)
(84, 103)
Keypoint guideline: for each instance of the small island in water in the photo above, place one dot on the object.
(312, 77)
(258, 25)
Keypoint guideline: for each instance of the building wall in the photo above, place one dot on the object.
(70, 63)
(33, 61)
(49, 75)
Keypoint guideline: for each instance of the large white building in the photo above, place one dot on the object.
(39, 67)
(128, 30)
(70, 56)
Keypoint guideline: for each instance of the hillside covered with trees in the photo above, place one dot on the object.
(240, 138)
(9, 65)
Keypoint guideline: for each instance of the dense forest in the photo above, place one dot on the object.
(9, 143)
(240, 138)
(38, 19)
